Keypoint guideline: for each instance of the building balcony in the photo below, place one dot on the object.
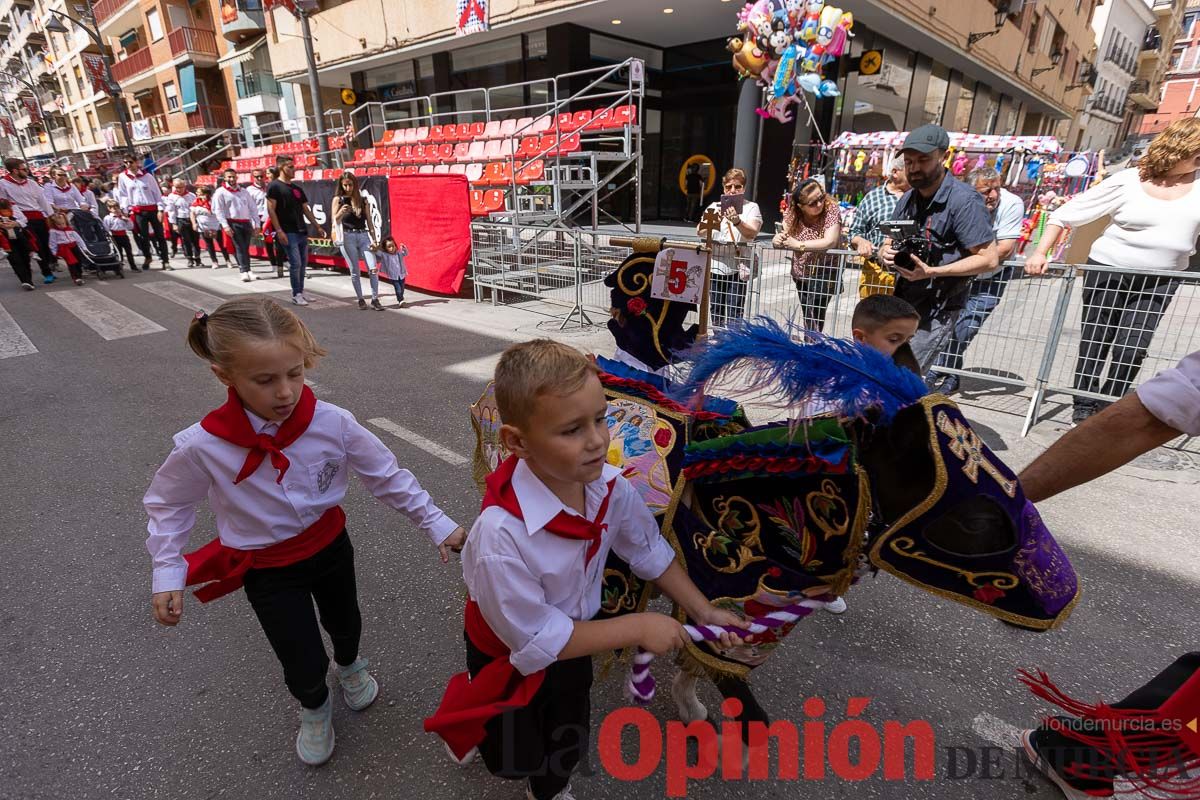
(241, 19)
(257, 93)
(1140, 95)
(132, 65)
(198, 43)
(115, 16)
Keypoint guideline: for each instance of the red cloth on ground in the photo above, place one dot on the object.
(223, 568)
(469, 703)
(432, 215)
(229, 422)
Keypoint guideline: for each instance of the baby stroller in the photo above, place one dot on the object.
(98, 252)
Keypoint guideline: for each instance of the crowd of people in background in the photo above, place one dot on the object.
(165, 216)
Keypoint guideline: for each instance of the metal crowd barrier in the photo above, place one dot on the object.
(1087, 332)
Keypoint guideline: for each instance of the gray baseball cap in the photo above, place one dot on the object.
(926, 139)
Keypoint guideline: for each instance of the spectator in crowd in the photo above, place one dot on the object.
(84, 187)
(234, 208)
(354, 230)
(29, 198)
(812, 225)
(693, 183)
(276, 254)
(731, 261)
(1008, 213)
(139, 194)
(954, 229)
(866, 235)
(1155, 215)
(177, 206)
(61, 194)
(290, 214)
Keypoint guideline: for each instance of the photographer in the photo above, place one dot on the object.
(953, 241)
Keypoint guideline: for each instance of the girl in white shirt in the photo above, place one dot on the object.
(65, 243)
(274, 463)
(1155, 213)
(207, 227)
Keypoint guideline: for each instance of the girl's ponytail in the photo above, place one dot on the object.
(197, 337)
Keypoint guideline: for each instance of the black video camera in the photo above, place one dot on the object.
(908, 243)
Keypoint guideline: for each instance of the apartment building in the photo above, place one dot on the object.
(166, 61)
(1158, 53)
(1119, 96)
(1008, 66)
(36, 115)
(1180, 96)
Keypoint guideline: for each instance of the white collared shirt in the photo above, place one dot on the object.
(59, 237)
(258, 512)
(228, 204)
(141, 190)
(178, 206)
(531, 585)
(67, 199)
(25, 195)
(89, 201)
(260, 200)
(114, 223)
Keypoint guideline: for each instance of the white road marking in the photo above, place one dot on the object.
(13, 341)
(417, 440)
(997, 731)
(105, 316)
(477, 368)
(185, 296)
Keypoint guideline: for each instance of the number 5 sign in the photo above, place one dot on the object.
(678, 276)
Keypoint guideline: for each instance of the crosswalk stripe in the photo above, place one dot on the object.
(13, 341)
(105, 316)
(185, 296)
(417, 440)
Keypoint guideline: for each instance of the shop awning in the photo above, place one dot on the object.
(242, 54)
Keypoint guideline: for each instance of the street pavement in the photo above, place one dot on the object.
(99, 702)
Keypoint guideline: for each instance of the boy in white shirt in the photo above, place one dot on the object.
(534, 565)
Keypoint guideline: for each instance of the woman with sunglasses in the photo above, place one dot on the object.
(811, 225)
(730, 261)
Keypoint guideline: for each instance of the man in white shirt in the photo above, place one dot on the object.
(61, 194)
(237, 212)
(84, 187)
(28, 198)
(177, 206)
(139, 194)
(1007, 213)
(258, 190)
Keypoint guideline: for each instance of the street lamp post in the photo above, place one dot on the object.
(314, 85)
(55, 26)
(31, 85)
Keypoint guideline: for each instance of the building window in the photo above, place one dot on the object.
(154, 25)
(881, 101)
(1176, 57)
(172, 96)
(935, 97)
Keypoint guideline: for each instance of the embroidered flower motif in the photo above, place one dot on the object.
(662, 437)
(988, 594)
(636, 306)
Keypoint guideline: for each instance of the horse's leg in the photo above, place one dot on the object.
(683, 691)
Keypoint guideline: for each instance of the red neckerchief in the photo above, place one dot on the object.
(569, 526)
(203, 202)
(10, 179)
(229, 422)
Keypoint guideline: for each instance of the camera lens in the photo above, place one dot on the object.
(904, 259)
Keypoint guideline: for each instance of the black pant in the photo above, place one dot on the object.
(815, 292)
(1120, 315)
(148, 229)
(545, 740)
(241, 243)
(18, 255)
(215, 241)
(283, 600)
(123, 246)
(191, 247)
(41, 234)
(727, 299)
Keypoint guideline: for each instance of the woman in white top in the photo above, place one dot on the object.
(1155, 212)
(731, 262)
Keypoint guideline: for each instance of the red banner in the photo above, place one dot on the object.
(35, 115)
(7, 125)
(93, 64)
(432, 215)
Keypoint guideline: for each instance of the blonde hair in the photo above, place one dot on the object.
(216, 337)
(729, 175)
(529, 370)
(1180, 140)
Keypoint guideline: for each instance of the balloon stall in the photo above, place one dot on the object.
(784, 45)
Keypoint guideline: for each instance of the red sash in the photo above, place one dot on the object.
(32, 215)
(469, 703)
(68, 253)
(141, 209)
(223, 568)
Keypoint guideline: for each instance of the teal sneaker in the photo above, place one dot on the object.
(48, 279)
(314, 743)
(358, 687)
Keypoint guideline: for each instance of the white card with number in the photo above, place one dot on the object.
(678, 276)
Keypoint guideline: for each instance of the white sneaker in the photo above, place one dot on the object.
(836, 606)
(246, 277)
(565, 794)
(252, 277)
(27, 287)
(683, 691)
(314, 743)
(359, 688)
(299, 300)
